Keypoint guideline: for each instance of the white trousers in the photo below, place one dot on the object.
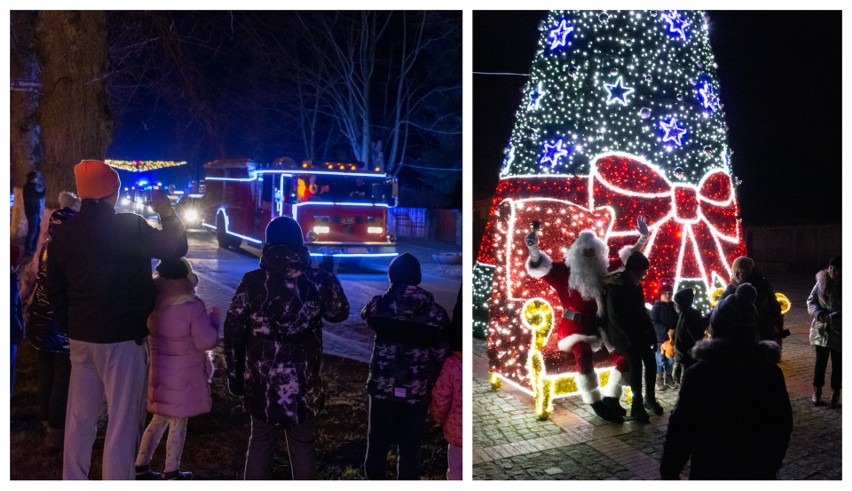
(118, 373)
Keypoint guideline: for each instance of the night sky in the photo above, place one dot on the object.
(781, 84)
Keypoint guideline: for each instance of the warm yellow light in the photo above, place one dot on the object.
(321, 229)
(714, 296)
(784, 301)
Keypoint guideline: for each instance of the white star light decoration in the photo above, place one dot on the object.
(552, 153)
(708, 97)
(673, 132)
(618, 92)
(677, 24)
(535, 97)
(559, 34)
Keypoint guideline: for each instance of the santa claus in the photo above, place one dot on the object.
(577, 280)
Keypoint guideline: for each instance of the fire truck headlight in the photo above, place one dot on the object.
(190, 216)
(375, 230)
(125, 201)
(139, 205)
(311, 236)
(321, 229)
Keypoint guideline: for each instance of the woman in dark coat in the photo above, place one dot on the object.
(733, 417)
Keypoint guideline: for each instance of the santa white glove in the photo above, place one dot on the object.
(532, 244)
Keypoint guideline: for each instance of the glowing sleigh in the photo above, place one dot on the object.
(521, 335)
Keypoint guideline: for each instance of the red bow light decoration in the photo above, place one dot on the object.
(694, 229)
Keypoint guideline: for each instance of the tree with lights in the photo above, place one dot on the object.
(620, 117)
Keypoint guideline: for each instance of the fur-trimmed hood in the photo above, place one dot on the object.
(174, 291)
(730, 351)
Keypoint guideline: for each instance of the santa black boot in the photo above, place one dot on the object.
(816, 399)
(587, 385)
(612, 393)
(835, 399)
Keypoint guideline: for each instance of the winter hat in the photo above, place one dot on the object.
(173, 269)
(736, 316)
(666, 287)
(835, 261)
(743, 263)
(95, 179)
(684, 297)
(284, 231)
(405, 270)
(637, 262)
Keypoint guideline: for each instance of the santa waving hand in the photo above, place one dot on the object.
(577, 280)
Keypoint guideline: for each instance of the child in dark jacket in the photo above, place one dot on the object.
(273, 349)
(407, 356)
(664, 317)
(690, 329)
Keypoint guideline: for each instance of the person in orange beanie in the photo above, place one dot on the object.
(100, 285)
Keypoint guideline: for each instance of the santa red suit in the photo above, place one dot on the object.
(577, 283)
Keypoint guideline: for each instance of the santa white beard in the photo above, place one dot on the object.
(586, 275)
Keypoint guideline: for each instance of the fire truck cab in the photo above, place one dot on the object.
(341, 207)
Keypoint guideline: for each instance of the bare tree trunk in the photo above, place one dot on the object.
(23, 127)
(73, 113)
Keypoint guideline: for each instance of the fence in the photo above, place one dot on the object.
(423, 223)
(803, 246)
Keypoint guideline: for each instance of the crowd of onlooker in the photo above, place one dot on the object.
(111, 336)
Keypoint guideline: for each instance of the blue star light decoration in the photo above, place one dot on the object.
(535, 97)
(673, 132)
(618, 92)
(708, 97)
(559, 34)
(677, 24)
(552, 153)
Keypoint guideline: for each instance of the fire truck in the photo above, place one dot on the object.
(341, 206)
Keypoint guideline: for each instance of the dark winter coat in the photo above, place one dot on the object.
(408, 351)
(273, 335)
(690, 330)
(99, 278)
(664, 317)
(733, 417)
(44, 330)
(17, 318)
(628, 325)
(826, 298)
(770, 322)
(33, 198)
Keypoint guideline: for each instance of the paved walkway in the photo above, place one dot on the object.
(510, 443)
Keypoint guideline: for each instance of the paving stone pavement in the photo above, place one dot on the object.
(510, 443)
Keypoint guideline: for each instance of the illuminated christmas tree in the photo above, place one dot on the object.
(620, 117)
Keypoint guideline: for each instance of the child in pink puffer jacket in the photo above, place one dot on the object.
(180, 368)
(447, 397)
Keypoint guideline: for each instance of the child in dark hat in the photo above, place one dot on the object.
(407, 356)
(733, 417)
(273, 349)
(689, 330)
(664, 317)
